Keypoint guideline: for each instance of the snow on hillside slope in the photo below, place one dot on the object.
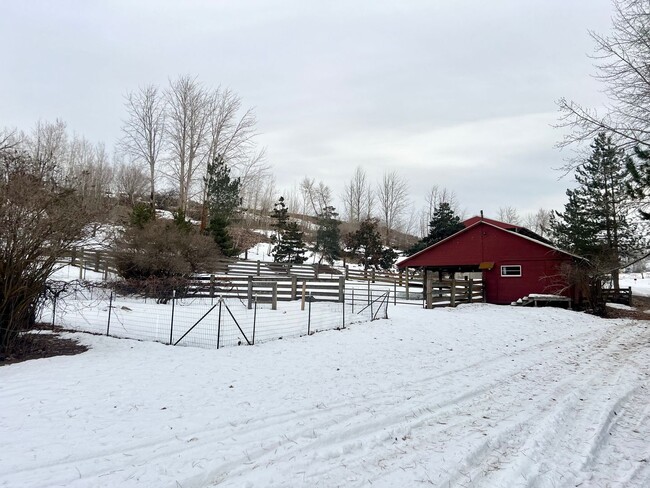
(479, 395)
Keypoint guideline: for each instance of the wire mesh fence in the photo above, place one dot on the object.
(208, 322)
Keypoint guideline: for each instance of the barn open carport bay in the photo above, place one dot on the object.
(479, 395)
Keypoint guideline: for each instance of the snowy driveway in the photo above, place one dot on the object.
(475, 396)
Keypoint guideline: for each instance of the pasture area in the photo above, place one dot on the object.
(477, 395)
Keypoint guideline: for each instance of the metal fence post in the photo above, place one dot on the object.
(395, 292)
(352, 300)
(110, 308)
(54, 310)
(343, 325)
(309, 315)
(369, 292)
(254, 317)
(171, 325)
(369, 299)
(219, 323)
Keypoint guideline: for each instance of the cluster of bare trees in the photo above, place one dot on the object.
(174, 132)
(70, 161)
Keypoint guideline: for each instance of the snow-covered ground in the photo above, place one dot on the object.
(479, 395)
(640, 283)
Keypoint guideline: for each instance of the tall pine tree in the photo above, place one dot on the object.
(328, 235)
(444, 223)
(223, 200)
(288, 244)
(595, 221)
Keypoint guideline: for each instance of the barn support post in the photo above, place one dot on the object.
(428, 288)
(470, 290)
(452, 300)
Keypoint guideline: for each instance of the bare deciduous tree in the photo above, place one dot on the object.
(187, 128)
(622, 60)
(39, 221)
(48, 145)
(509, 215)
(316, 196)
(538, 222)
(392, 196)
(230, 136)
(131, 181)
(358, 197)
(144, 130)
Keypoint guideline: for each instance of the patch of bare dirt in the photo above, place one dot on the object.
(37, 344)
(639, 304)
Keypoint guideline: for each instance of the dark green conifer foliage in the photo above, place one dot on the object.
(595, 221)
(444, 223)
(328, 235)
(365, 243)
(288, 244)
(223, 200)
(290, 248)
(639, 187)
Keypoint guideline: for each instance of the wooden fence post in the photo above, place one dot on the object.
(316, 270)
(372, 274)
(470, 290)
(347, 272)
(342, 289)
(212, 286)
(428, 288)
(453, 293)
(258, 267)
(302, 298)
(97, 261)
(407, 283)
(294, 287)
(249, 295)
(274, 295)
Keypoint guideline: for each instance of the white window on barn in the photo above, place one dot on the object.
(511, 270)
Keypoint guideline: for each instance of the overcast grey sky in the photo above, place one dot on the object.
(456, 93)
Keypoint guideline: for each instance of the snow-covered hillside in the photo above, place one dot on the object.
(479, 395)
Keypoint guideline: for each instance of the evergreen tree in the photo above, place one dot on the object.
(328, 235)
(290, 248)
(223, 200)
(288, 244)
(595, 221)
(366, 244)
(639, 186)
(443, 224)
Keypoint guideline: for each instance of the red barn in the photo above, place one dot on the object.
(515, 262)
